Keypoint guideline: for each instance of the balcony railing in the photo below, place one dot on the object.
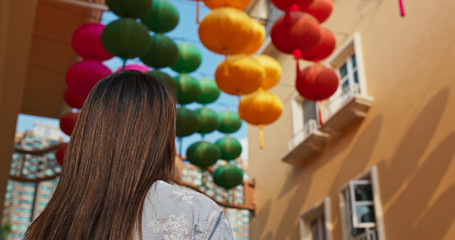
(309, 127)
(339, 101)
(369, 234)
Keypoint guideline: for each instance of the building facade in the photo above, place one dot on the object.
(376, 160)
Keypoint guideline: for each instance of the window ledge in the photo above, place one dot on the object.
(313, 143)
(353, 109)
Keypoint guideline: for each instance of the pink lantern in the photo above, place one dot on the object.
(73, 100)
(84, 75)
(67, 122)
(316, 82)
(86, 42)
(137, 67)
(60, 154)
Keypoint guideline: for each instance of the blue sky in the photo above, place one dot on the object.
(186, 31)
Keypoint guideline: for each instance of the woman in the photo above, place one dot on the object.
(118, 165)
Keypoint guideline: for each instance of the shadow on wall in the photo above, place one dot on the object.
(412, 181)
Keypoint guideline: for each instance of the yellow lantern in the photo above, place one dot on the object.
(272, 70)
(258, 37)
(237, 4)
(260, 108)
(226, 31)
(239, 74)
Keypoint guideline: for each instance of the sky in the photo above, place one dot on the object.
(185, 31)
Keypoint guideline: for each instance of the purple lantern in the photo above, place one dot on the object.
(86, 42)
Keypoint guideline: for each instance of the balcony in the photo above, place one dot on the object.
(304, 143)
(345, 108)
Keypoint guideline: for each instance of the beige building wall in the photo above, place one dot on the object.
(408, 133)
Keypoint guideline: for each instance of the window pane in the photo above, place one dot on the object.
(363, 192)
(314, 229)
(365, 214)
(354, 62)
(343, 70)
(309, 111)
(324, 237)
(356, 77)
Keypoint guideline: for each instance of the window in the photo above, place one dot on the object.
(305, 119)
(315, 223)
(361, 210)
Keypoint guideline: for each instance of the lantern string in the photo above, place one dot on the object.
(226, 70)
(261, 136)
(402, 13)
(197, 11)
(124, 64)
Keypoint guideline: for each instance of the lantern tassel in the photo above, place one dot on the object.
(401, 8)
(197, 11)
(261, 136)
(297, 55)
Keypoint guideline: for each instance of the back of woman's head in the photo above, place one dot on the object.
(122, 143)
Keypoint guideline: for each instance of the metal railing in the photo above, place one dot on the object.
(336, 103)
(309, 127)
(369, 234)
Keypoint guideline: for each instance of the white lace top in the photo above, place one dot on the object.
(172, 213)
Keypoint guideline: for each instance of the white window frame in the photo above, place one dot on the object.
(300, 129)
(371, 176)
(315, 212)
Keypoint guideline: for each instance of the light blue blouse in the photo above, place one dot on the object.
(172, 213)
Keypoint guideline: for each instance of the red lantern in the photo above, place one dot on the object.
(60, 154)
(320, 9)
(84, 75)
(286, 5)
(67, 122)
(86, 42)
(324, 47)
(302, 32)
(73, 100)
(316, 82)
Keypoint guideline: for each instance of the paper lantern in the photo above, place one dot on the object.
(189, 58)
(170, 81)
(187, 122)
(316, 82)
(239, 74)
(228, 176)
(320, 9)
(162, 17)
(260, 108)
(226, 31)
(208, 120)
(82, 76)
(60, 153)
(272, 70)
(138, 67)
(73, 100)
(286, 5)
(258, 38)
(203, 154)
(130, 8)
(67, 122)
(230, 148)
(163, 52)
(188, 90)
(126, 38)
(229, 122)
(237, 4)
(323, 49)
(209, 91)
(302, 33)
(86, 42)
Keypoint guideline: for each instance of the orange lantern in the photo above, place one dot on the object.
(260, 108)
(272, 70)
(239, 74)
(226, 31)
(258, 37)
(237, 4)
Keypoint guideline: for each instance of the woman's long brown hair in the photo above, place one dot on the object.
(123, 141)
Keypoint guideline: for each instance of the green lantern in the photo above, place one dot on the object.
(230, 148)
(228, 176)
(187, 122)
(129, 8)
(162, 17)
(208, 120)
(163, 52)
(203, 154)
(125, 38)
(170, 81)
(188, 89)
(229, 122)
(209, 91)
(189, 59)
